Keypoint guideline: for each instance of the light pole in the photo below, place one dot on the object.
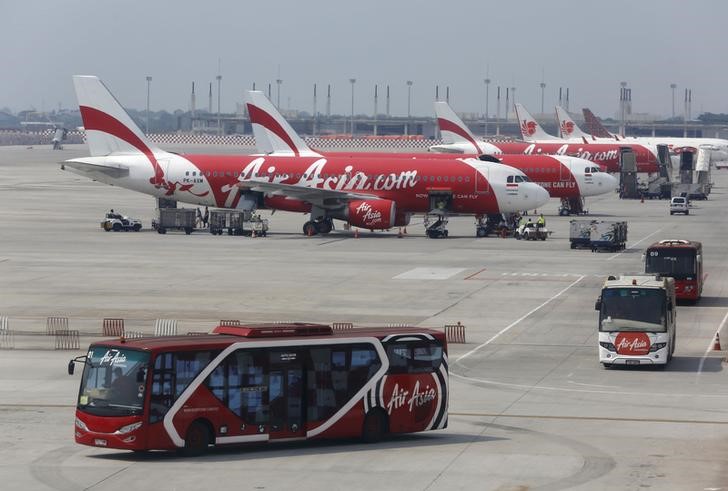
(149, 83)
(219, 123)
(487, 99)
(352, 81)
(543, 86)
(409, 105)
(673, 87)
(278, 97)
(513, 96)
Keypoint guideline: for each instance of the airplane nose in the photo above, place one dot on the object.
(609, 182)
(536, 196)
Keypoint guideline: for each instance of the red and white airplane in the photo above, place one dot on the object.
(564, 177)
(459, 139)
(371, 193)
(717, 147)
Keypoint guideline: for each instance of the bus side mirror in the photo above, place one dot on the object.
(71, 366)
(598, 303)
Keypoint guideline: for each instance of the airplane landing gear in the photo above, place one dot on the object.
(315, 227)
(436, 226)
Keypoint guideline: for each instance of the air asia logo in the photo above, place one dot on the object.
(402, 397)
(567, 127)
(528, 128)
(632, 343)
(368, 215)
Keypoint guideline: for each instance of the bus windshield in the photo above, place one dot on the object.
(678, 263)
(113, 381)
(632, 309)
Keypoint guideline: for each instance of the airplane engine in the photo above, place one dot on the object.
(372, 214)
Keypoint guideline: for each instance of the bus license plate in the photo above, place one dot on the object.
(99, 442)
(632, 362)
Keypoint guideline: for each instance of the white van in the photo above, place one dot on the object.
(679, 204)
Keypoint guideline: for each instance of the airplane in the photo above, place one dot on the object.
(717, 147)
(607, 155)
(564, 177)
(378, 193)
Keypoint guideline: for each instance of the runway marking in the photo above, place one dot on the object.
(514, 323)
(470, 276)
(588, 418)
(429, 274)
(631, 246)
(593, 385)
(710, 346)
(641, 393)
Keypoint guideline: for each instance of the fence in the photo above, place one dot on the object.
(112, 327)
(67, 339)
(54, 324)
(398, 324)
(455, 333)
(342, 326)
(229, 322)
(133, 334)
(7, 341)
(165, 327)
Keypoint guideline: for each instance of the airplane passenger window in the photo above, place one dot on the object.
(445, 178)
(460, 178)
(467, 178)
(214, 174)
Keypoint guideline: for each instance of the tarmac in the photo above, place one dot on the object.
(531, 407)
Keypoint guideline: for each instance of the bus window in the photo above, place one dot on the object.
(414, 356)
(172, 374)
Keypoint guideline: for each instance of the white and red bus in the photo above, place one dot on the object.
(260, 383)
(681, 260)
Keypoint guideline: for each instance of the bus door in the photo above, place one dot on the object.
(286, 387)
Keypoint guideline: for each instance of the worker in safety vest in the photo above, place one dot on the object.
(541, 221)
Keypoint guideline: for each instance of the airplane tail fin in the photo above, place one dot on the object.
(109, 129)
(273, 134)
(567, 127)
(452, 127)
(530, 129)
(595, 126)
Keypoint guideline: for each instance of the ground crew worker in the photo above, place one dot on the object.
(541, 222)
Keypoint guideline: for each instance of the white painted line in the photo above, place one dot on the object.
(429, 274)
(710, 345)
(514, 323)
(631, 246)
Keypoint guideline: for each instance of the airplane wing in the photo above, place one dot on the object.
(315, 196)
(78, 166)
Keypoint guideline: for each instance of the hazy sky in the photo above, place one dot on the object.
(584, 45)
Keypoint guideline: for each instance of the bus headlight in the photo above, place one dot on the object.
(607, 346)
(657, 347)
(81, 425)
(129, 428)
(688, 288)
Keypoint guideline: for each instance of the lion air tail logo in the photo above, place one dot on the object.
(632, 343)
(528, 128)
(567, 127)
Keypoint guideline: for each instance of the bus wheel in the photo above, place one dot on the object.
(375, 426)
(197, 439)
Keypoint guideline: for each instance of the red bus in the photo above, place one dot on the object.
(680, 259)
(260, 383)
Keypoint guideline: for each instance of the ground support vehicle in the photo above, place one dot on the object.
(261, 383)
(237, 222)
(679, 204)
(637, 319)
(608, 235)
(436, 225)
(580, 233)
(532, 231)
(680, 259)
(176, 219)
(118, 223)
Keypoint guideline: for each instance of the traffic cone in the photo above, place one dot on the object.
(356, 233)
(716, 343)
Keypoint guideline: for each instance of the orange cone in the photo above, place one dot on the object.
(716, 343)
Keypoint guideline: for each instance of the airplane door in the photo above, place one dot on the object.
(482, 182)
(286, 395)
